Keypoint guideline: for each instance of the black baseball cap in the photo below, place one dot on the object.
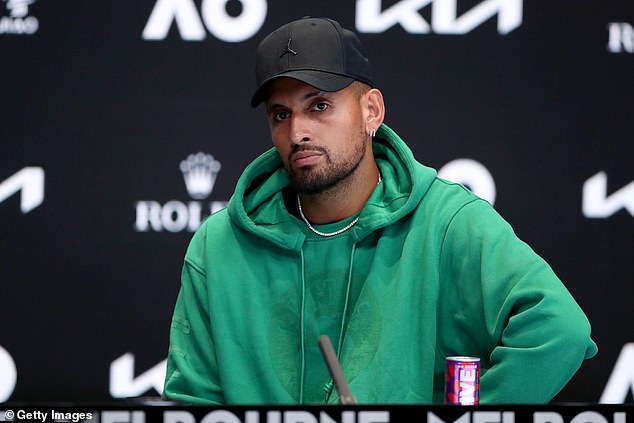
(317, 51)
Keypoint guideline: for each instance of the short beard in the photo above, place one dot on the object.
(315, 181)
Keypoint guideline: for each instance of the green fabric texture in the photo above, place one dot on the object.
(429, 271)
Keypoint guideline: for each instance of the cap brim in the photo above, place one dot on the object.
(324, 81)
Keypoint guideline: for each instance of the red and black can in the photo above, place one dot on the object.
(462, 380)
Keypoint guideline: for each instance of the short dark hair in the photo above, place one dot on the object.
(359, 88)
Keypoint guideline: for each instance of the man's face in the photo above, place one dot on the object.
(319, 135)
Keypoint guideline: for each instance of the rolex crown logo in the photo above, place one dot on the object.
(200, 171)
(19, 8)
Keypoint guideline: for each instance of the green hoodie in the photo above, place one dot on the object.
(429, 271)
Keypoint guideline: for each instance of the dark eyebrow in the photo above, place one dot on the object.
(308, 95)
(274, 108)
(313, 94)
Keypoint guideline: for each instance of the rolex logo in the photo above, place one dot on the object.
(18, 22)
(200, 171)
(19, 8)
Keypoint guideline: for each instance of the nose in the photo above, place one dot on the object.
(299, 129)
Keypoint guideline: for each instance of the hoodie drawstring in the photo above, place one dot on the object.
(330, 385)
(301, 332)
(343, 317)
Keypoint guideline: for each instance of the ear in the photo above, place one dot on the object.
(375, 110)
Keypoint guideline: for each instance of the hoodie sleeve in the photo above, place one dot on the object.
(192, 374)
(514, 312)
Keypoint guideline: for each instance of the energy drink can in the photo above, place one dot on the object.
(462, 380)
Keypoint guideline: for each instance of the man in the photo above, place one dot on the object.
(339, 231)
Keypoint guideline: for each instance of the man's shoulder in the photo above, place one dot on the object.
(213, 227)
(452, 195)
(447, 201)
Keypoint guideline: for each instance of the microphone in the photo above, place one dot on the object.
(334, 368)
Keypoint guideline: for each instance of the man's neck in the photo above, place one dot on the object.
(341, 201)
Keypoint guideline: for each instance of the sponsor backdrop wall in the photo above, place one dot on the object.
(111, 109)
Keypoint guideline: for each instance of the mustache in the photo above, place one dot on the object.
(297, 148)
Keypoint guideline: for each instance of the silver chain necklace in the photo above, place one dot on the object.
(342, 230)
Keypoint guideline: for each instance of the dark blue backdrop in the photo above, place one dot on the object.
(102, 101)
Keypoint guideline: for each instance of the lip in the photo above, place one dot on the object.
(306, 158)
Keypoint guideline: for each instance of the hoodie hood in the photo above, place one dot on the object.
(257, 205)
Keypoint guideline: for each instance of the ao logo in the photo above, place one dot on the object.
(597, 204)
(124, 384)
(621, 380)
(217, 20)
(371, 17)
(9, 375)
(29, 182)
